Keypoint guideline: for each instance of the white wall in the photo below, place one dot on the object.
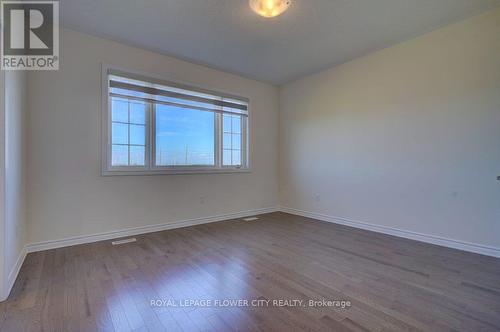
(2, 185)
(67, 195)
(13, 186)
(407, 137)
(15, 193)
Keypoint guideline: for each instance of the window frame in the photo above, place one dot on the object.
(150, 167)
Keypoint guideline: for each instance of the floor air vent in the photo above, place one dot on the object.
(250, 218)
(118, 242)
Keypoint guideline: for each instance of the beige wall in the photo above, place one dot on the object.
(13, 187)
(407, 137)
(67, 195)
(2, 185)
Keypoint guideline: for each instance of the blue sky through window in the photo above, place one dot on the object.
(184, 136)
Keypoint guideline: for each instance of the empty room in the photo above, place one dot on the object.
(250, 165)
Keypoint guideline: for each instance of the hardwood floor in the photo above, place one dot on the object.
(392, 284)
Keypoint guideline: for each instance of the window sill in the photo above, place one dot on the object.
(173, 172)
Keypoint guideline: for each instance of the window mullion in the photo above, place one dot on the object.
(109, 131)
(244, 142)
(152, 136)
(128, 132)
(218, 140)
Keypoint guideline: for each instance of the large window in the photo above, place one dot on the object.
(154, 127)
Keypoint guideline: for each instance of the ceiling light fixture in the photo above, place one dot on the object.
(269, 8)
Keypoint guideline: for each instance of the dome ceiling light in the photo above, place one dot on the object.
(269, 8)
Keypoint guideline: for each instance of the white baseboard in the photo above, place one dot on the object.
(11, 278)
(440, 241)
(33, 247)
(71, 241)
(40, 246)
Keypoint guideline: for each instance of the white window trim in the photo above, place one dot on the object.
(150, 169)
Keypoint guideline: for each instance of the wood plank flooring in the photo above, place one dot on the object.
(392, 284)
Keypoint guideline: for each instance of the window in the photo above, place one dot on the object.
(231, 140)
(156, 127)
(128, 132)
